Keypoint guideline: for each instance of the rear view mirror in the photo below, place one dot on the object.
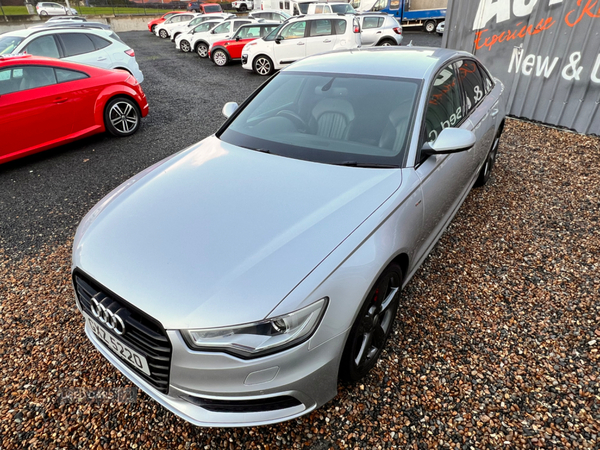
(229, 108)
(450, 140)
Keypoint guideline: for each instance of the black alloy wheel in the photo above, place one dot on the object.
(372, 326)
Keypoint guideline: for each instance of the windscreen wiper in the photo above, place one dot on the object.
(372, 165)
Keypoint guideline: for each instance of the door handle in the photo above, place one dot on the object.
(59, 100)
(102, 58)
(300, 43)
(327, 40)
(494, 113)
(379, 32)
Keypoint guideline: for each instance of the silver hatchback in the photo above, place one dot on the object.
(379, 29)
(236, 281)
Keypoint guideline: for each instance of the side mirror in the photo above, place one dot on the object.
(278, 39)
(450, 140)
(237, 38)
(229, 108)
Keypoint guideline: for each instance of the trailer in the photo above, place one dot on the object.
(423, 13)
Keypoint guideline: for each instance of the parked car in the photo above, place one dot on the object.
(67, 18)
(270, 15)
(379, 29)
(73, 24)
(164, 29)
(243, 5)
(330, 8)
(225, 51)
(186, 27)
(204, 8)
(153, 23)
(184, 41)
(48, 102)
(86, 46)
(299, 37)
(352, 164)
(201, 41)
(440, 28)
(54, 9)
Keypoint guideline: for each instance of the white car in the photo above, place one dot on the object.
(270, 15)
(85, 46)
(243, 5)
(54, 9)
(440, 28)
(301, 37)
(200, 42)
(200, 18)
(183, 41)
(164, 29)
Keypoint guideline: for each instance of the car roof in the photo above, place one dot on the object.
(29, 31)
(404, 62)
(25, 58)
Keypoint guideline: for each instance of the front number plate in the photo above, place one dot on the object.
(124, 351)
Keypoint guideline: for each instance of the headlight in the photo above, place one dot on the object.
(260, 338)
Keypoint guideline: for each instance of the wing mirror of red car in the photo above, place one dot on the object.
(450, 140)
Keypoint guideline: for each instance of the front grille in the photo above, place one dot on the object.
(245, 406)
(143, 334)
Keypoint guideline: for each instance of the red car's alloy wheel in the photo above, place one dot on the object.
(122, 117)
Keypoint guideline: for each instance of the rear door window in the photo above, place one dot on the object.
(321, 27)
(76, 44)
(472, 83)
(98, 41)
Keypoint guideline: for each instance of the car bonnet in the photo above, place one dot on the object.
(219, 235)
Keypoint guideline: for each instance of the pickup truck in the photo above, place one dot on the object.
(243, 5)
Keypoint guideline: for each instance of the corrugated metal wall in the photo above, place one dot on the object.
(547, 53)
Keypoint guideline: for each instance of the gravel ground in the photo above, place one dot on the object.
(496, 342)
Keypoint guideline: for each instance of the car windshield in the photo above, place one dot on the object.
(212, 8)
(343, 9)
(8, 44)
(329, 118)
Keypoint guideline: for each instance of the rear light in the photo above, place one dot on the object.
(130, 52)
(356, 29)
(398, 30)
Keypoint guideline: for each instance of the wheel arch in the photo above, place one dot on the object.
(109, 94)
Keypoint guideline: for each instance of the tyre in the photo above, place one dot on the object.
(202, 50)
(43, 13)
(243, 8)
(372, 326)
(387, 43)
(122, 117)
(490, 160)
(220, 58)
(429, 26)
(163, 34)
(153, 29)
(185, 46)
(263, 65)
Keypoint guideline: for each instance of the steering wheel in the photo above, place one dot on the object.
(298, 122)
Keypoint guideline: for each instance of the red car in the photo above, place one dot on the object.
(222, 52)
(152, 24)
(46, 102)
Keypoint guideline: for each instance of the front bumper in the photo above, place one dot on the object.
(277, 387)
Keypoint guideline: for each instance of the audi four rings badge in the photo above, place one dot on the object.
(112, 320)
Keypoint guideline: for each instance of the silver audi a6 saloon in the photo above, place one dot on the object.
(236, 281)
